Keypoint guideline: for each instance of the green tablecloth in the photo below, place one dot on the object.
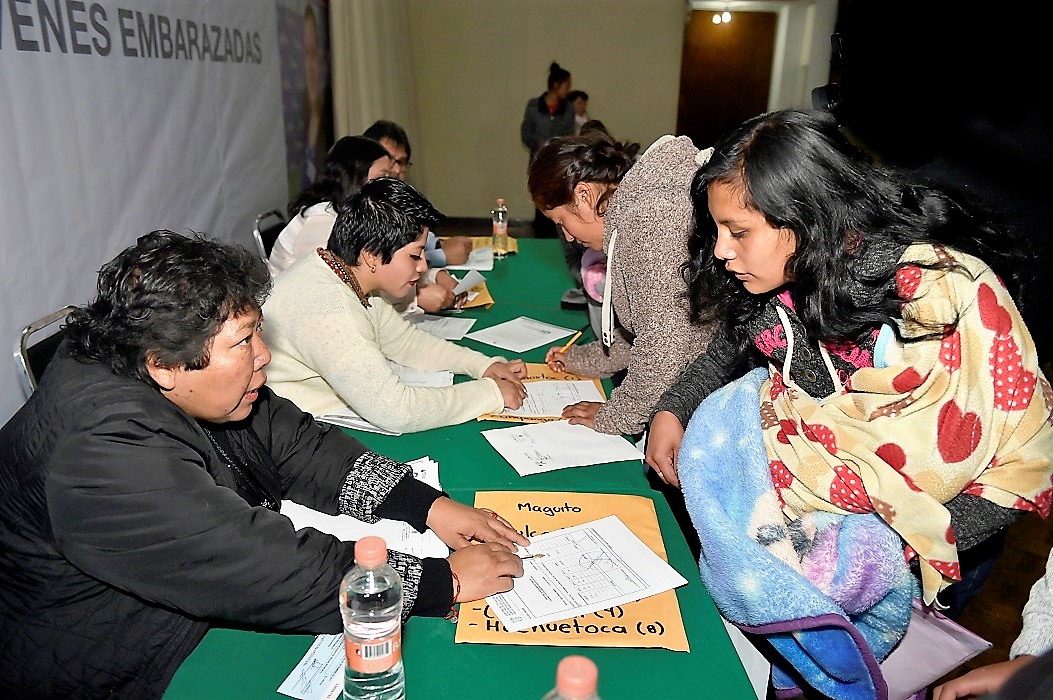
(239, 664)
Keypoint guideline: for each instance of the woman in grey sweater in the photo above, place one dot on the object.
(640, 216)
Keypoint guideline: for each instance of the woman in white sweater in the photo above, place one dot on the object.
(331, 336)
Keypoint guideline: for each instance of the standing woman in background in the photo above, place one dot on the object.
(547, 116)
(349, 164)
(638, 213)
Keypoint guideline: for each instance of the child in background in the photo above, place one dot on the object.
(903, 380)
(579, 100)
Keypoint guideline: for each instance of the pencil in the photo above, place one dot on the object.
(573, 339)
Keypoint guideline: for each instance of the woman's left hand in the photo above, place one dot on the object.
(512, 371)
(582, 413)
(459, 525)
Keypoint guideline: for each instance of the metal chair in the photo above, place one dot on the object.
(266, 229)
(31, 358)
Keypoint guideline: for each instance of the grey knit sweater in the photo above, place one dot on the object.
(1037, 636)
(652, 215)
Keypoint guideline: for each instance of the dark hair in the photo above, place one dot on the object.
(575, 94)
(163, 299)
(798, 170)
(346, 168)
(382, 128)
(557, 75)
(565, 161)
(385, 215)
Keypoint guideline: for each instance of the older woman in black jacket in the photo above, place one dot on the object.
(139, 489)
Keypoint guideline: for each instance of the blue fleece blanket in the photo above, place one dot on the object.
(831, 593)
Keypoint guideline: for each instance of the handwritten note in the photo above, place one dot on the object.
(545, 447)
(651, 622)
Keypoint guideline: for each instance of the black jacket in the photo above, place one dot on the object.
(124, 535)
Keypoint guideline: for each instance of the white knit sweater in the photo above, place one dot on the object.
(330, 352)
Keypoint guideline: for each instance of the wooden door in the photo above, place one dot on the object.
(725, 73)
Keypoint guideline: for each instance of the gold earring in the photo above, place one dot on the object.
(373, 267)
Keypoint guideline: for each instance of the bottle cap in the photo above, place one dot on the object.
(576, 677)
(371, 551)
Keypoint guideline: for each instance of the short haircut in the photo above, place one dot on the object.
(382, 128)
(163, 299)
(385, 215)
(575, 94)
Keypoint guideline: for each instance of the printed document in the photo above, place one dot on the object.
(543, 447)
(579, 570)
(548, 398)
(520, 334)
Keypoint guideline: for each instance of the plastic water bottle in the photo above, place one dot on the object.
(371, 605)
(576, 679)
(499, 216)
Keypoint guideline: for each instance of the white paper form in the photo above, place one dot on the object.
(478, 259)
(579, 570)
(547, 398)
(471, 280)
(398, 535)
(444, 327)
(520, 334)
(319, 675)
(545, 447)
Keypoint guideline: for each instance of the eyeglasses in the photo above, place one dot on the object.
(403, 163)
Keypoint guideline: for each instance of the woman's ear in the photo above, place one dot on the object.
(583, 196)
(164, 377)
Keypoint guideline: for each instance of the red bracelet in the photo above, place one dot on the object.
(457, 586)
(453, 615)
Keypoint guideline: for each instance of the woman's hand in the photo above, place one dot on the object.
(434, 297)
(457, 249)
(582, 413)
(445, 280)
(556, 359)
(458, 525)
(513, 371)
(663, 445)
(980, 681)
(484, 569)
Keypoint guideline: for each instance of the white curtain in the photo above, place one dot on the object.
(372, 68)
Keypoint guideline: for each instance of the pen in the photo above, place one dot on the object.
(573, 339)
(532, 556)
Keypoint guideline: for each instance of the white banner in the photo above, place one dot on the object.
(121, 117)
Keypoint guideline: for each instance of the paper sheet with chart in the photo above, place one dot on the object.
(548, 398)
(579, 570)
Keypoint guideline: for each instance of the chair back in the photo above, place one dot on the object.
(266, 229)
(33, 350)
